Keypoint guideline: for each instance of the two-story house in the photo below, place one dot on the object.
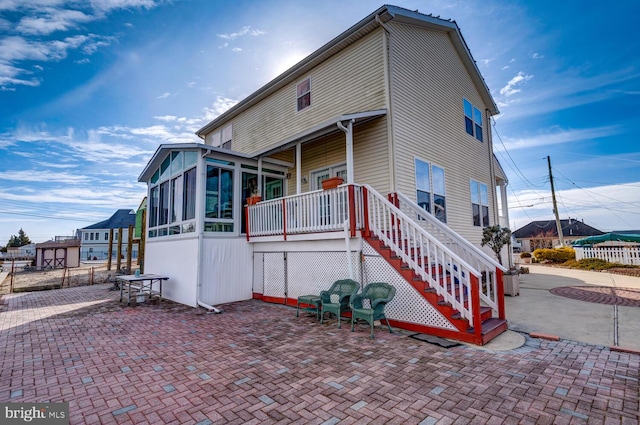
(397, 108)
(95, 238)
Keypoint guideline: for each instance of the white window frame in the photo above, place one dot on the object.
(481, 200)
(316, 176)
(175, 223)
(301, 94)
(473, 115)
(431, 191)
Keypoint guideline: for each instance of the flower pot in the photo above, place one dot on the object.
(252, 200)
(332, 183)
(511, 284)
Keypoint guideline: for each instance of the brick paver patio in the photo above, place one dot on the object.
(258, 363)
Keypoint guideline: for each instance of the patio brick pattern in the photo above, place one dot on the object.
(257, 363)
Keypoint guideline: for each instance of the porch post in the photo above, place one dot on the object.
(298, 168)
(260, 177)
(349, 141)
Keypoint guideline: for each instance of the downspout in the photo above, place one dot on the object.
(492, 170)
(387, 93)
(200, 184)
(347, 240)
(347, 236)
(349, 142)
(260, 177)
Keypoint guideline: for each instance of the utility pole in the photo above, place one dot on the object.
(555, 205)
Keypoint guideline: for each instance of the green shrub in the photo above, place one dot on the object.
(525, 255)
(556, 255)
(592, 264)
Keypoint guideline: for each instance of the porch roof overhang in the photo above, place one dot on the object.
(163, 149)
(500, 174)
(324, 128)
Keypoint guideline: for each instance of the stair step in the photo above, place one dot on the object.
(485, 314)
(491, 328)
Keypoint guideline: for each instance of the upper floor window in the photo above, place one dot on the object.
(479, 203)
(472, 120)
(221, 138)
(303, 90)
(430, 189)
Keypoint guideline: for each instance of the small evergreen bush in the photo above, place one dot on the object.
(555, 255)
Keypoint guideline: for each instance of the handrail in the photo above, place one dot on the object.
(424, 254)
(491, 286)
(423, 215)
(309, 212)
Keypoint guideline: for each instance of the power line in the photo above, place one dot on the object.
(44, 216)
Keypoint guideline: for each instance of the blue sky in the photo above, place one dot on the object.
(88, 90)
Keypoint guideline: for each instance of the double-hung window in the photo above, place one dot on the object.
(479, 204)
(430, 188)
(303, 94)
(472, 119)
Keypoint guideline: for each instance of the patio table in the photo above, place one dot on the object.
(313, 304)
(142, 283)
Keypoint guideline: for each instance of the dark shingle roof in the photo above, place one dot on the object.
(570, 227)
(121, 218)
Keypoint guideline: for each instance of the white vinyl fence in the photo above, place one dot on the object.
(622, 255)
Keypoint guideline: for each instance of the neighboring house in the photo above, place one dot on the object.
(95, 238)
(58, 254)
(397, 107)
(28, 250)
(544, 233)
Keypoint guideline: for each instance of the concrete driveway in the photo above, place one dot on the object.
(538, 310)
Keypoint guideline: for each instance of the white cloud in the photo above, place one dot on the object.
(537, 56)
(609, 207)
(243, 32)
(51, 20)
(236, 49)
(164, 95)
(511, 87)
(556, 136)
(40, 176)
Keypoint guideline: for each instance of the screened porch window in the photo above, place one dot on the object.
(219, 200)
(172, 195)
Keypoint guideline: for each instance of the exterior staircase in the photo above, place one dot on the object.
(467, 296)
(457, 278)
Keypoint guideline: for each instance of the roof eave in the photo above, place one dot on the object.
(346, 38)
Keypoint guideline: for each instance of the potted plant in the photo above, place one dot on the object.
(526, 257)
(254, 199)
(332, 182)
(254, 194)
(496, 237)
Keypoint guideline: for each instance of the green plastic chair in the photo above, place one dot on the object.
(336, 299)
(379, 295)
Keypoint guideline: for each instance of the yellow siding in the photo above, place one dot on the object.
(429, 82)
(350, 81)
(371, 164)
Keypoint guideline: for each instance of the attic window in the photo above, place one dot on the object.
(303, 91)
(472, 120)
(227, 133)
